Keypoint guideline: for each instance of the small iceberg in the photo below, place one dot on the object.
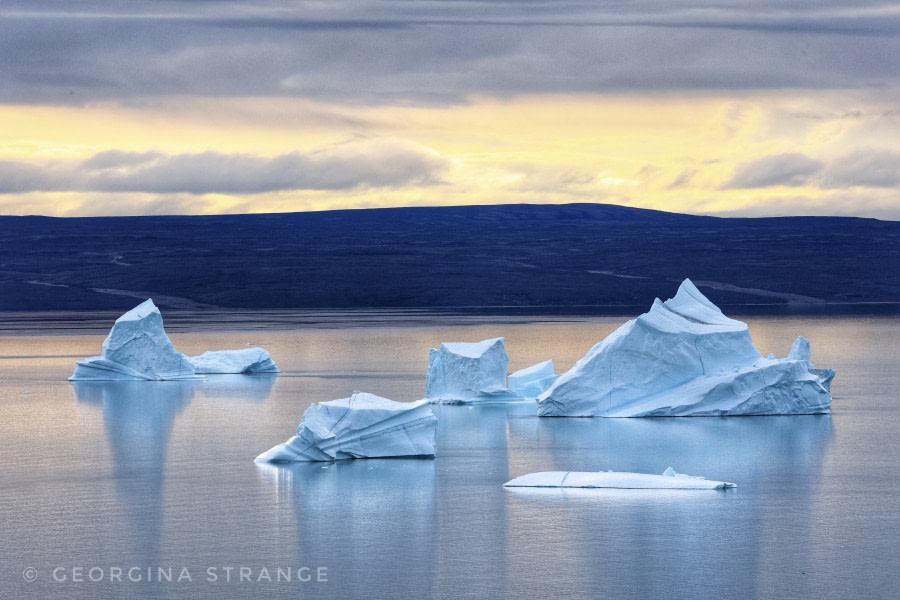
(532, 381)
(137, 347)
(669, 480)
(361, 426)
(246, 361)
(685, 358)
(466, 373)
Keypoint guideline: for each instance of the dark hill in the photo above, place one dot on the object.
(507, 255)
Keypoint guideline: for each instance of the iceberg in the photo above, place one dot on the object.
(669, 480)
(137, 347)
(361, 426)
(532, 381)
(246, 361)
(685, 358)
(462, 373)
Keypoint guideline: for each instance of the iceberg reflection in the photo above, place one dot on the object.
(687, 531)
(138, 417)
(371, 522)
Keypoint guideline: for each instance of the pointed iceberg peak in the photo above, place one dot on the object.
(685, 358)
(800, 350)
(691, 304)
(137, 347)
(670, 472)
(141, 311)
(689, 294)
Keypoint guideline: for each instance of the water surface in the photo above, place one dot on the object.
(140, 474)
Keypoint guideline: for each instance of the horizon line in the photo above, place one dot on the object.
(457, 206)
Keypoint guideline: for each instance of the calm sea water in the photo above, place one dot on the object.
(97, 477)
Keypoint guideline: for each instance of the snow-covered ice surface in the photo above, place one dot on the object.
(669, 480)
(532, 381)
(137, 347)
(463, 373)
(685, 358)
(361, 426)
(246, 360)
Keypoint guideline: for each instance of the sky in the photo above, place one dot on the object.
(716, 107)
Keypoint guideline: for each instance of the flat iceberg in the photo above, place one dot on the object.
(532, 381)
(246, 361)
(669, 480)
(463, 373)
(361, 426)
(137, 347)
(685, 358)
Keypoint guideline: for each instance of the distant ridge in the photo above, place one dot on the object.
(516, 255)
(528, 211)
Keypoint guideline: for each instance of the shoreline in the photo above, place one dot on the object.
(72, 322)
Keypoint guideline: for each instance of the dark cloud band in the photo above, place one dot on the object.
(866, 167)
(437, 52)
(368, 164)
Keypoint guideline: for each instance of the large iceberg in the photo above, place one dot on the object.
(246, 361)
(137, 347)
(686, 358)
(361, 426)
(669, 480)
(532, 381)
(461, 373)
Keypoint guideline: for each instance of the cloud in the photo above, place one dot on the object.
(382, 163)
(360, 51)
(791, 169)
(20, 177)
(683, 179)
(867, 203)
(865, 168)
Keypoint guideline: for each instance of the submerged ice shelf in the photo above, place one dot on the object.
(137, 347)
(361, 426)
(669, 480)
(685, 358)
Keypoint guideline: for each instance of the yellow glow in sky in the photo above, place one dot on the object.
(679, 153)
